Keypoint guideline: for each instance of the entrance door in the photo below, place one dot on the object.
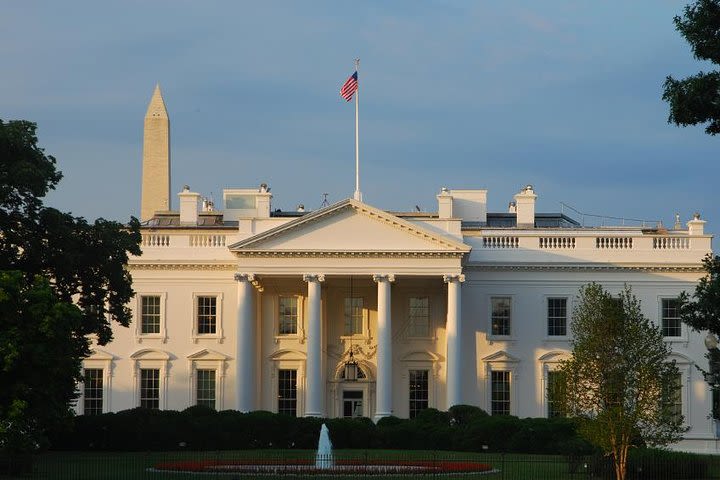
(352, 403)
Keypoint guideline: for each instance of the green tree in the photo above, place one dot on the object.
(618, 381)
(701, 311)
(696, 99)
(63, 279)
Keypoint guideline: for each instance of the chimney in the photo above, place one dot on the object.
(445, 203)
(696, 226)
(189, 202)
(525, 207)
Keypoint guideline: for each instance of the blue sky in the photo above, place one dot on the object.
(564, 95)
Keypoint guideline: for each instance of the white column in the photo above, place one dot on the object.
(314, 392)
(245, 382)
(453, 330)
(383, 406)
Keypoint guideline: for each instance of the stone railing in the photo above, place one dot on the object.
(167, 240)
(500, 242)
(671, 243)
(587, 246)
(614, 242)
(556, 242)
(207, 240)
(155, 240)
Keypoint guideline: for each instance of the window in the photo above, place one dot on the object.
(206, 315)
(501, 315)
(674, 397)
(353, 316)
(352, 403)
(557, 317)
(552, 389)
(206, 388)
(670, 318)
(288, 315)
(500, 392)
(150, 388)
(287, 392)
(419, 317)
(150, 314)
(418, 391)
(93, 391)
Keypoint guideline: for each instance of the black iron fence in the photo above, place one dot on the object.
(377, 464)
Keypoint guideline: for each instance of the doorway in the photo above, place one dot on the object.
(352, 403)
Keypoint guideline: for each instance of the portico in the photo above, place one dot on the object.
(348, 278)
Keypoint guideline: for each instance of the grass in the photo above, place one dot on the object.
(135, 465)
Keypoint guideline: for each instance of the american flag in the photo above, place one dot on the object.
(349, 87)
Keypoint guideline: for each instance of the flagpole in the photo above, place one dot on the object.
(358, 194)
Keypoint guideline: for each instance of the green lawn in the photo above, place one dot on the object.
(136, 465)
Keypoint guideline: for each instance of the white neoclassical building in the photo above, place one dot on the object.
(351, 310)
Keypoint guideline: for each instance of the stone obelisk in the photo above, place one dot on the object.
(156, 158)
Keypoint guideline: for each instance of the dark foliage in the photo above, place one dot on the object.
(696, 99)
(198, 428)
(63, 279)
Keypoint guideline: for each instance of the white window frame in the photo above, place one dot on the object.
(685, 367)
(683, 337)
(549, 362)
(288, 360)
(431, 326)
(365, 333)
(219, 334)
(300, 335)
(568, 317)
(420, 360)
(100, 360)
(502, 361)
(207, 360)
(490, 334)
(150, 359)
(162, 335)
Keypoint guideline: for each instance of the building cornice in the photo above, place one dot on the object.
(588, 267)
(347, 254)
(181, 266)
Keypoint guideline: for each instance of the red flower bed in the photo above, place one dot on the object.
(341, 466)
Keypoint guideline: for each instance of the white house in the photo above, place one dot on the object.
(243, 307)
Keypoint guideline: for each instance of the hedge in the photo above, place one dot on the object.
(463, 428)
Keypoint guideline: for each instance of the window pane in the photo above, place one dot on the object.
(288, 315)
(353, 316)
(150, 388)
(287, 392)
(500, 393)
(206, 388)
(93, 391)
(150, 314)
(674, 397)
(418, 391)
(557, 316)
(671, 324)
(419, 321)
(206, 315)
(552, 390)
(501, 315)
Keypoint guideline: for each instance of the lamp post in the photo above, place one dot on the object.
(712, 376)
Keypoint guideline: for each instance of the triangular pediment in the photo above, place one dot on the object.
(500, 356)
(207, 354)
(350, 226)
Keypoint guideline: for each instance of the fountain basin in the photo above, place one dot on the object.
(350, 467)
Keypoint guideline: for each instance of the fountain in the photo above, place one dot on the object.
(324, 456)
(325, 464)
